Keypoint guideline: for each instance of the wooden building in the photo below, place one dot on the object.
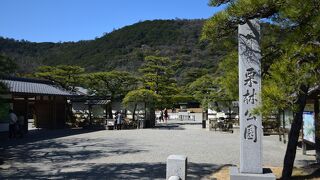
(43, 101)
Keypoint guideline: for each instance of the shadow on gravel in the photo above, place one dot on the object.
(66, 150)
(311, 171)
(314, 175)
(42, 134)
(42, 156)
(307, 162)
(169, 127)
(114, 171)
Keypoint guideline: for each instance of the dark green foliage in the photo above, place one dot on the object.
(141, 99)
(291, 54)
(222, 86)
(7, 66)
(188, 75)
(204, 89)
(123, 49)
(113, 83)
(157, 75)
(140, 96)
(66, 76)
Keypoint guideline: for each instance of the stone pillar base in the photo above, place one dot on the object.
(177, 167)
(236, 175)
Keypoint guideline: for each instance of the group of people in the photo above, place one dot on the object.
(16, 125)
(163, 115)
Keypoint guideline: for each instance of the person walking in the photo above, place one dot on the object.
(166, 116)
(12, 123)
(161, 116)
(119, 120)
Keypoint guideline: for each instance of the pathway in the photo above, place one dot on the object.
(127, 154)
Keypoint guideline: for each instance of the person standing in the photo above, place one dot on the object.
(119, 120)
(166, 116)
(12, 123)
(161, 116)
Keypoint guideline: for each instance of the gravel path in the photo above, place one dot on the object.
(127, 154)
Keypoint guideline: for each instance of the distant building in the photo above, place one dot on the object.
(41, 100)
(92, 105)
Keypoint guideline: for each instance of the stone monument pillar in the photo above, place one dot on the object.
(249, 98)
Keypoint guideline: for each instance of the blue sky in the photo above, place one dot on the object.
(74, 20)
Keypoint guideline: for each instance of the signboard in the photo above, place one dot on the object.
(308, 127)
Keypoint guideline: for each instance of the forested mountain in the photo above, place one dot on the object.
(122, 49)
(125, 49)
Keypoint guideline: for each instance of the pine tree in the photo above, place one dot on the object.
(291, 64)
(113, 83)
(157, 75)
(66, 76)
(7, 67)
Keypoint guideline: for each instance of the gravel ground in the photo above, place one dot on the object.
(127, 154)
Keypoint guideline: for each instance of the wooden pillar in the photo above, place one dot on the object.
(26, 110)
(106, 108)
(229, 111)
(304, 147)
(67, 112)
(284, 127)
(55, 112)
(145, 115)
(279, 127)
(303, 143)
(317, 128)
(90, 118)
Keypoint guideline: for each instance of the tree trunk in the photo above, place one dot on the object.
(106, 109)
(152, 117)
(110, 105)
(134, 112)
(110, 110)
(294, 133)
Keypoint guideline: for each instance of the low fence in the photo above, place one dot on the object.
(187, 117)
(183, 116)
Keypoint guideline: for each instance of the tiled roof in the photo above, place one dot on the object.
(97, 102)
(81, 90)
(21, 86)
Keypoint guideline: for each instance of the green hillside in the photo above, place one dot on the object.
(122, 49)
